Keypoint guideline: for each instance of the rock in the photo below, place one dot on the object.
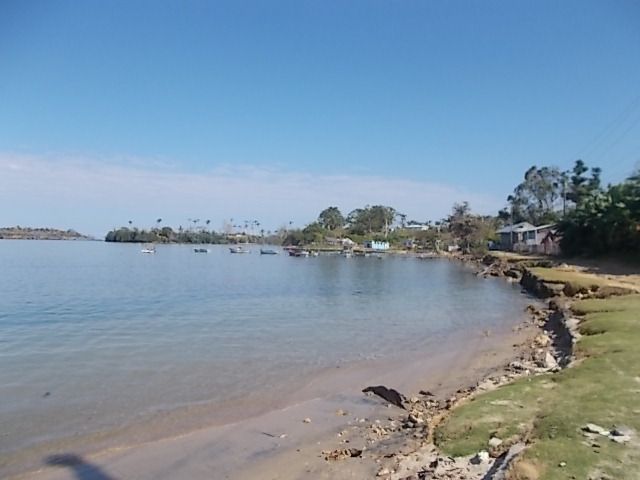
(389, 394)
(415, 419)
(622, 432)
(306, 420)
(342, 453)
(383, 472)
(620, 438)
(593, 428)
(495, 442)
(426, 393)
(562, 464)
(518, 366)
(542, 340)
(513, 273)
(341, 413)
(550, 362)
(480, 457)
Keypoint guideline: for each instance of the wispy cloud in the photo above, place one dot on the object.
(93, 195)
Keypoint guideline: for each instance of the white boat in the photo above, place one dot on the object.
(148, 249)
(239, 249)
(200, 250)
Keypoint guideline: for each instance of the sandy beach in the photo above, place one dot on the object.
(287, 442)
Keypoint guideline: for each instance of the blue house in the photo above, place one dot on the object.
(376, 245)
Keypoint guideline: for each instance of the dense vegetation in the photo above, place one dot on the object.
(591, 219)
(164, 235)
(604, 220)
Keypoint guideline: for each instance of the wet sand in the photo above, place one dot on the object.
(278, 443)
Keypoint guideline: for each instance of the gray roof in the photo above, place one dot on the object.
(522, 227)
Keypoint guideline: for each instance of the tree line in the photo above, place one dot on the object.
(163, 235)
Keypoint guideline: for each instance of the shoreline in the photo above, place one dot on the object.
(488, 356)
(268, 436)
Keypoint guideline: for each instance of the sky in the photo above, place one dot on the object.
(273, 110)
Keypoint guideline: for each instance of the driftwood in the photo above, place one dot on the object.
(389, 394)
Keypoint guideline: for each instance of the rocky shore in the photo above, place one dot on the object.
(405, 445)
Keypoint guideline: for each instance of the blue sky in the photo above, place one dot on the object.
(106, 106)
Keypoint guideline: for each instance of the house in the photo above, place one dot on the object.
(417, 227)
(376, 245)
(524, 237)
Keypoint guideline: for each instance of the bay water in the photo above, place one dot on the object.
(97, 336)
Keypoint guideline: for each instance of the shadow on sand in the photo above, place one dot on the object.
(80, 468)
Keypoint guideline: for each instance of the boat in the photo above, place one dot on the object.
(298, 253)
(267, 251)
(201, 250)
(239, 249)
(314, 253)
(148, 249)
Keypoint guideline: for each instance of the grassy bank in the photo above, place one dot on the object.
(549, 411)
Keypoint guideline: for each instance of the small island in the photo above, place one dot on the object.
(28, 233)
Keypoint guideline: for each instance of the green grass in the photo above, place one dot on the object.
(581, 281)
(549, 410)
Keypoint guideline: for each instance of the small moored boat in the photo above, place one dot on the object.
(299, 253)
(200, 250)
(239, 249)
(148, 249)
(267, 251)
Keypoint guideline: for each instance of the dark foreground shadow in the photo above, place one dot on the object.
(81, 469)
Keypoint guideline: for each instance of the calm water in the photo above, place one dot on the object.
(114, 335)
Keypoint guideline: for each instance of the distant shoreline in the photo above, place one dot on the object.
(27, 233)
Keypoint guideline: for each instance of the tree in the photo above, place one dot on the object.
(471, 231)
(313, 233)
(581, 186)
(375, 219)
(536, 199)
(603, 222)
(331, 218)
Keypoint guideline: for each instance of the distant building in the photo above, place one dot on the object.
(417, 227)
(343, 242)
(376, 245)
(524, 237)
